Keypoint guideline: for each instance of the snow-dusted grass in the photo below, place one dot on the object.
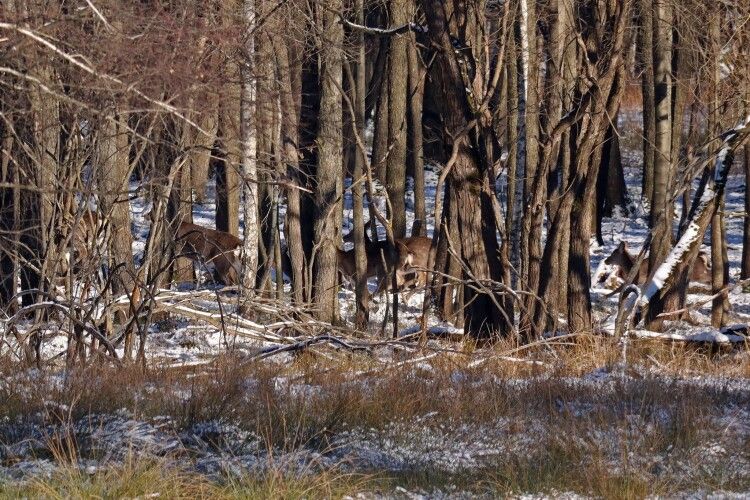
(674, 419)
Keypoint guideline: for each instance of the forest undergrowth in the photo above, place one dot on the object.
(559, 418)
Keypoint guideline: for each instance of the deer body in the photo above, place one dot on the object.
(700, 272)
(86, 237)
(209, 246)
(419, 248)
(410, 261)
(376, 267)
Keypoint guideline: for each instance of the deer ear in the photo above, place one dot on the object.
(622, 245)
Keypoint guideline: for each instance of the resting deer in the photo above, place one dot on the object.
(700, 272)
(209, 246)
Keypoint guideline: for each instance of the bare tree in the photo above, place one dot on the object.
(330, 162)
(249, 152)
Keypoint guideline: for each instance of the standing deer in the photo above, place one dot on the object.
(209, 246)
(83, 237)
(410, 260)
(376, 265)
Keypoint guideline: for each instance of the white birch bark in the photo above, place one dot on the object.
(249, 155)
(691, 238)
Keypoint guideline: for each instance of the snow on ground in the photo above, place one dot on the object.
(630, 226)
(427, 443)
(620, 434)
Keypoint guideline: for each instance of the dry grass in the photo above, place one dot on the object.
(602, 438)
(163, 479)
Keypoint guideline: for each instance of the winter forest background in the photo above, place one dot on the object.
(294, 247)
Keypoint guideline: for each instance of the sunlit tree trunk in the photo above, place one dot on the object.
(661, 207)
(249, 154)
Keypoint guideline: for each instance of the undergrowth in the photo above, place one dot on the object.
(587, 423)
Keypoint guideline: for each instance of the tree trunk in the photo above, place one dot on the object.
(416, 156)
(8, 221)
(661, 207)
(200, 157)
(718, 240)
(478, 244)
(611, 190)
(228, 185)
(330, 163)
(646, 53)
(745, 272)
(360, 252)
(380, 134)
(114, 175)
(528, 152)
(290, 109)
(670, 279)
(180, 208)
(248, 134)
(398, 88)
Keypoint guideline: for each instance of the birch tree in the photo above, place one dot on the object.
(249, 146)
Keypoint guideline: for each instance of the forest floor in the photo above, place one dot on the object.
(571, 417)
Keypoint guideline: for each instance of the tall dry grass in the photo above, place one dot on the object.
(582, 434)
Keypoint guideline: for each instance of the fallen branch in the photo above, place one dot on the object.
(304, 344)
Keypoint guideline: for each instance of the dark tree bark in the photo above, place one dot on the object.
(416, 152)
(228, 186)
(360, 163)
(330, 163)
(745, 271)
(290, 108)
(310, 102)
(179, 205)
(512, 210)
(564, 53)
(265, 120)
(479, 248)
(8, 219)
(531, 245)
(398, 89)
(646, 59)
(611, 190)
(603, 27)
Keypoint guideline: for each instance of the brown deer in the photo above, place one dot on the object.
(378, 263)
(411, 260)
(700, 272)
(86, 237)
(209, 246)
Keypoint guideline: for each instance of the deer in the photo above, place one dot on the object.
(375, 266)
(208, 246)
(86, 237)
(411, 260)
(620, 257)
